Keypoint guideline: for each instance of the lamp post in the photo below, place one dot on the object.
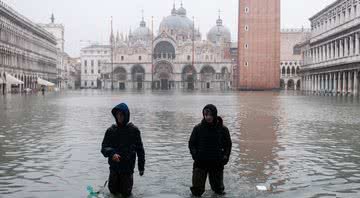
(152, 52)
(112, 67)
(112, 54)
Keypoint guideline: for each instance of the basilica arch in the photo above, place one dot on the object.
(188, 77)
(120, 77)
(138, 76)
(164, 50)
(163, 75)
(291, 84)
(207, 74)
(282, 84)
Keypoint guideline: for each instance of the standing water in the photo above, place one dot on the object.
(294, 145)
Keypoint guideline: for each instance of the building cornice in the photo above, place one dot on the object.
(25, 22)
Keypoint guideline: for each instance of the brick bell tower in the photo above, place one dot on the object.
(259, 45)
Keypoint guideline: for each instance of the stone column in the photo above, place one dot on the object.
(331, 80)
(349, 89)
(312, 55)
(321, 82)
(357, 42)
(326, 51)
(346, 44)
(317, 54)
(307, 83)
(356, 83)
(314, 83)
(317, 82)
(331, 51)
(336, 49)
(339, 82)
(344, 83)
(351, 45)
(326, 82)
(341, 48)
(334, 90)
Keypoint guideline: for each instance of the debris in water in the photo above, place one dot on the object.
(261, 188)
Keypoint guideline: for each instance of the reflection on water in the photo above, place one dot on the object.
(297, 146)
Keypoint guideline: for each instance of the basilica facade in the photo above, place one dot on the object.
(176, 58)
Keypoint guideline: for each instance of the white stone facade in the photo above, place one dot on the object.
(176, 58)
(26, 51)
(93, 58)
(58, 30)
(290, 57)
(332, 55)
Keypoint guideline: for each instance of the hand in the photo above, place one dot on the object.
(116, 158)
(141, 173)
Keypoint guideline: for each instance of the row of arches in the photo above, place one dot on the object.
(290, 84)
(290, 71)
(165, 69)
(30, 81)
(163, 76)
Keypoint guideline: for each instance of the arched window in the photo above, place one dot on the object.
(164, 49)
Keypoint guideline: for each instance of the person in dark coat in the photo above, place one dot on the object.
(121, 144)
(210, 147)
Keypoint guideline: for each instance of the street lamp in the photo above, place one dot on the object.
(112, 54)
(112, 67)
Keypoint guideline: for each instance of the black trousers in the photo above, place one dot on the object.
(121, 183)
(216, 179)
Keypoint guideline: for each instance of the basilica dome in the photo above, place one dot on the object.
(142, 33)
(219, 33)
(177, 22)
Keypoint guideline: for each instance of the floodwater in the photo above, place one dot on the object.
(295, 145)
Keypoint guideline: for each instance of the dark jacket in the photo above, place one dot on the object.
(125, 141)
(210, 144)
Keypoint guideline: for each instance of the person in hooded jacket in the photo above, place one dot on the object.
(210, 147)
(121, 144)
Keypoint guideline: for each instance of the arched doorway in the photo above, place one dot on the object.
(291, 85)
(207, 76)
(120, 77)
(138, 76)
(163, 74)
(282, 84)
(189, 77)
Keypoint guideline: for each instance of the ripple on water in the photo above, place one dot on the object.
(50, 146)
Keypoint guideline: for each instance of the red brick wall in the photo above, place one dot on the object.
(263, 39)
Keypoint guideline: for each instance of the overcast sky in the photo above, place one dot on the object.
(89, 20)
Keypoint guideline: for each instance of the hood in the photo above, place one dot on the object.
(124, 109)
(212, 108)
